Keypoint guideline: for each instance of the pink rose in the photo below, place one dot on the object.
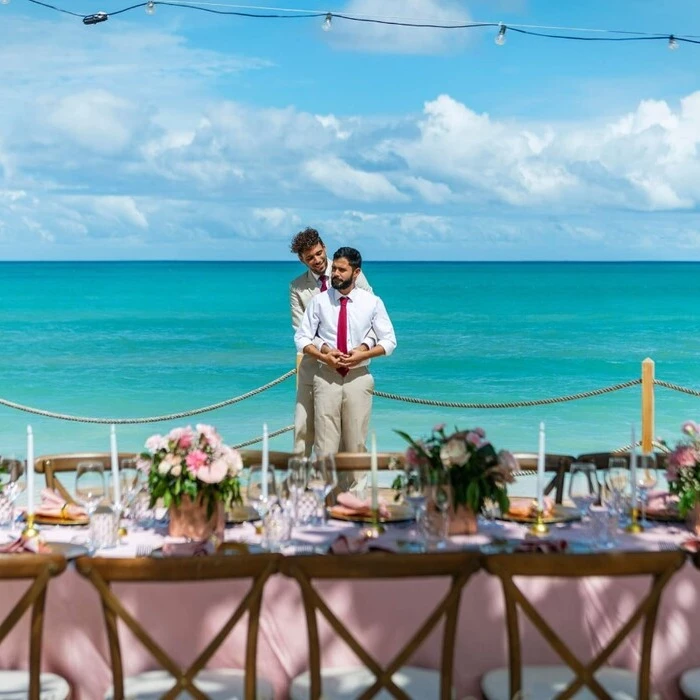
(412, 457)
(210, 435)
(683, 456)
(690, 428)
(196, 460)
(155, 443)
(476, 438)
(480, 432)
(213, 473)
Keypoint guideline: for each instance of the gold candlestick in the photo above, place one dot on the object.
(539, 527)
(30, 529)
(635, 527)
(375, 528)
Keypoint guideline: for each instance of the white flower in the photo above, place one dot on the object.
(176, 470)
(164, 467)
(232, 458)
(156, 442)
(454, 453)
(210, 434)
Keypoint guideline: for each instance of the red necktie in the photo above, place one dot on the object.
(342, 343)
(324, 283)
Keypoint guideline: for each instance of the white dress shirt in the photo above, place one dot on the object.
(365, 312)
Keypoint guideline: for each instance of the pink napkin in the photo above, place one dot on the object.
(543, 546)
(22, 545)
(188, 549)
(54, 506)
(349, 506)
(661, 502)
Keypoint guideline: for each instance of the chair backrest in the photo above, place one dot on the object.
(278, 460)
(39, 568)
(50, 465)
(660, 566)
(455, 566)
(602, 459)
(102, 572)
(527, 462)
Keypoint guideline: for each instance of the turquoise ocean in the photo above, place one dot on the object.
(139, 339)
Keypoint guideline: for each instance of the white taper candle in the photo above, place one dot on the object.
(30, 471)
(116, 483)
(373, 466)
(265, 461)
(540, 470)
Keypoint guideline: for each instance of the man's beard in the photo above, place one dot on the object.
(340, 285)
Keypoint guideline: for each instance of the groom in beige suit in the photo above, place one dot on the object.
(309, 247)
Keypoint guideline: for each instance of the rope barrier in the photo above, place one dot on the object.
(260, 437)
(150, 419)
(676, 387)
(511, 404)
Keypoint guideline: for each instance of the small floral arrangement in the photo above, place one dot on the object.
(683, 468)
(476, 471)
(194, 463)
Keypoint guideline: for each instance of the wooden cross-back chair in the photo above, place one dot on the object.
(689, 681)
(602, 459)
(196, 681)
(39, 569)
(396, 679)
(564, 682)
(559, 464)
(51, 465)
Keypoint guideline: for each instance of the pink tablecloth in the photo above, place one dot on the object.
(183, 616)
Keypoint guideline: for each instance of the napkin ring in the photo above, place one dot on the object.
(64, 510)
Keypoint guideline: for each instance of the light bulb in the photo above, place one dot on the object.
(673, 44)
(501, 36)
(328, 23)
(150, 7)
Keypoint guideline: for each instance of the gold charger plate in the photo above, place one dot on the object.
(398, 513)
(242, 514)
(48, 520)
(560, 514)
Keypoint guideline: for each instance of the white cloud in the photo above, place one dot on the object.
(346, 182)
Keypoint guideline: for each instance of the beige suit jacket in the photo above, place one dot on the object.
(304, 288)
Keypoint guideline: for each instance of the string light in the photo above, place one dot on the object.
(296, 13)
(501, 36)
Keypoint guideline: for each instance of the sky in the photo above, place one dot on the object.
(189, 135)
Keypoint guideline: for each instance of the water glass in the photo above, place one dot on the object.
(7, 511)
(90, 485)
(604, 524)
(436, 513)
(617, 482)
(141, 513)
(277, 528)
(104, 526)
(584, 489)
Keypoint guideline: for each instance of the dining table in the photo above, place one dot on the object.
(184, 616)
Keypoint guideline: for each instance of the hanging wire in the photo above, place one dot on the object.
(264, 12)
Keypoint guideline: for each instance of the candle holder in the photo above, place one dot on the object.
(539, 527)
(635, 527)
(374, 528)
(30, 529)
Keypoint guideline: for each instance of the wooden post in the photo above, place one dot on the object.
(648, 405)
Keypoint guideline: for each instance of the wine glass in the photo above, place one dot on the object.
(322, 478)
(90, 489)
(132, 480)
(436, 513)
(617, 482)
(297, 476)
(255, 493)
(584, 489)
(414, 487)
(11, 471)
(647, 478)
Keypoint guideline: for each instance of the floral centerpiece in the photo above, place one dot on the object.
(194, 473)
(683, 469)
(475, 470)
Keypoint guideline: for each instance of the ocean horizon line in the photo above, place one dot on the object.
(367, 260)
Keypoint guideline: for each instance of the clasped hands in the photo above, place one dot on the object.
(344, 360)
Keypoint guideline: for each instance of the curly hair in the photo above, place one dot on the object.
(304, 240)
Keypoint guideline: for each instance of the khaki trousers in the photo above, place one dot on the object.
(342, 406)
(304, 409)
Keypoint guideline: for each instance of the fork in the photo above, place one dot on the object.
(143, 550)
(668, 547)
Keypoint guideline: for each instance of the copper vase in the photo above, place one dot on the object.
(190, 519)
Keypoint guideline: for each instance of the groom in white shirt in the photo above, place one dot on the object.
(338, 322)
